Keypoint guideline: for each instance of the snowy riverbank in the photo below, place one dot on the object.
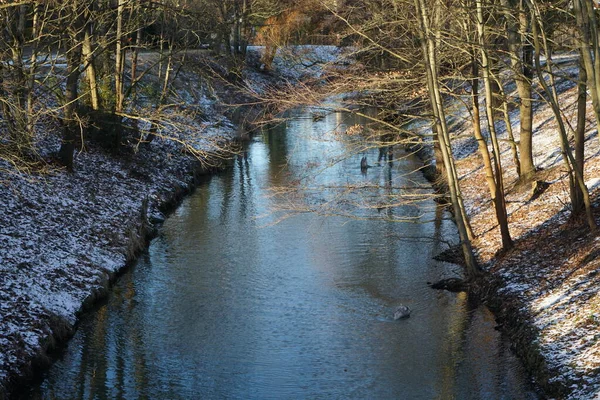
(65, 235)
(548, 298)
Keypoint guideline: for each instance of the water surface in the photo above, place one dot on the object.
(229, 304)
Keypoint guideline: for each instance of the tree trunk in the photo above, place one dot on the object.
(20, 135)
(119, 59)
(90, 70)
(590, 51)
(576, 194)
(520, 53)
(35, 33)
(481, 142)
(428, 49)
(70, 123)
(509, 130)
(526, 115)
(498, 196)
(138, 44)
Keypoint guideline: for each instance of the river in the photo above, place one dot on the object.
(234, 301)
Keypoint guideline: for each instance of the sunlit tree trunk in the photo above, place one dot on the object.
(520, 52)
(481, 141)
(498, 195)
(590, 50)
(90, 69)
(509, 130)
(576, 194)
(429, 56)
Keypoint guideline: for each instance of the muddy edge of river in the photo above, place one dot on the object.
(506, 310)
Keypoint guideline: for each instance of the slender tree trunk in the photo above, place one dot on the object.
(498, 196)
(576, 194)
(590, 51)
(509, 130)
(167, 77)
(236, 30)
(520, 53)
(481, 142)
(35, 33)
(21, 136)
(119, 58)
(161, 50)
(138, 44)
(244, 27)
(70, 124)
(427, 46)
(90, 70)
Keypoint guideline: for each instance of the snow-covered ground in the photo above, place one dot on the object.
(298, 62)
(63, 236)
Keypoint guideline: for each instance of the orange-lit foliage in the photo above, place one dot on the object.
(277, 31)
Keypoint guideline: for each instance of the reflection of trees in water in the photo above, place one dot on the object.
(105, 354)
(452, 351)
(334, 182)
(245, 183)
(276, 141)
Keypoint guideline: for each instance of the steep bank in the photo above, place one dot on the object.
(545, 289)
(65, 236)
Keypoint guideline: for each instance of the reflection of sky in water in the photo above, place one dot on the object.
(326, 165)
(225, 305)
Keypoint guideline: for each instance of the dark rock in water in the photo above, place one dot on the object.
(402, 312)
(318, 116)
(363, 164)
(452, 255)
(451, 285)
(156, 217)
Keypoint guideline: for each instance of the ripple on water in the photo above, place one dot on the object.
(221, 307)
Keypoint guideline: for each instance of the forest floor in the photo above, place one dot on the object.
(550, 279)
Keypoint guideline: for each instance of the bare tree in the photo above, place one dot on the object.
(497, 193)
(520, 51)
(575, 174)
(429, 54)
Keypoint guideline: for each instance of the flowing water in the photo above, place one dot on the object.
(228, 304)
